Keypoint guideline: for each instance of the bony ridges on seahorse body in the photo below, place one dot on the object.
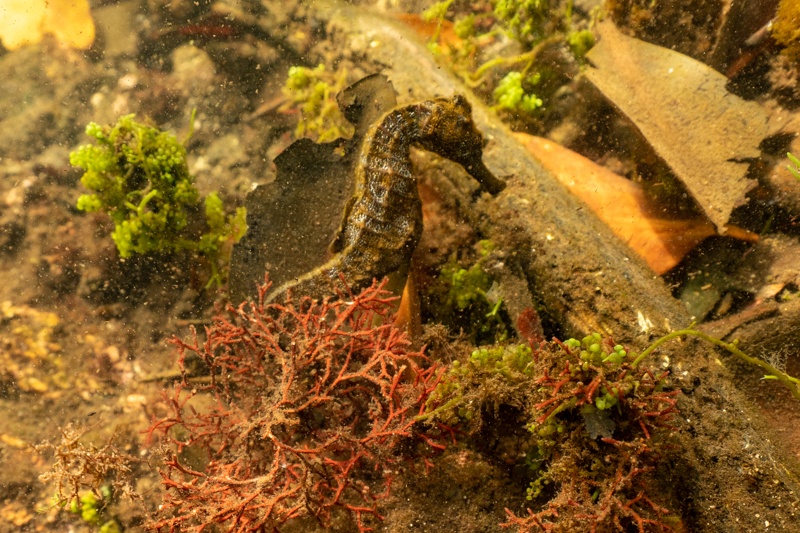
(382, 222)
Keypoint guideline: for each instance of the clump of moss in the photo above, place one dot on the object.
(598, 422)
(525, 20)
(139, 176)
(467, 301)
(312, 94)
(580, 42)
(467, 386)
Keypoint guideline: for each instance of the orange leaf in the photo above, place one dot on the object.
(662, 242)
(426, 30)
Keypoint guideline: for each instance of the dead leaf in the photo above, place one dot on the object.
(681, 106)
(24, 22)
(624, 207)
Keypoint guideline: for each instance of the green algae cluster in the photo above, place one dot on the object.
(520, 84)
(510, 93)
(138, 175)
(588, 415)
(312, 94)
(92, 510)
(466, 300)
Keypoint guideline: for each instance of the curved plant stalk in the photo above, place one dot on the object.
(528, 58)
(794, 168)
(791, 383)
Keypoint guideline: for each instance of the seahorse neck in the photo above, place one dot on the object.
(393, 136)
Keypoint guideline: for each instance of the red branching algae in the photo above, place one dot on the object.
(309, 409)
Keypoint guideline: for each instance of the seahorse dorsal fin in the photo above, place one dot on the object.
(337, 244)
(461, 102)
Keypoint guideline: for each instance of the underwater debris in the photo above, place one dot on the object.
(661, 240)
(24, 22)
(794, 168)
(87, 477)
(30, 360)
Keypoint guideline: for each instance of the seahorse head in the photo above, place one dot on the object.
(451, 133)
(450, 130)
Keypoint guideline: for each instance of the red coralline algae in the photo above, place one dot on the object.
(309, 407)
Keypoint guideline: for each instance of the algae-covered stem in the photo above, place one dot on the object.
(382, 222)
(791, 383)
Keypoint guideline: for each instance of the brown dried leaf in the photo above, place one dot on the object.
(662, 242)
(683, 109)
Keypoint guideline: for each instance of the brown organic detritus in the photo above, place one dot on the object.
(382, 222)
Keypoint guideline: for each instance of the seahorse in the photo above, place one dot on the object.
(382, 221)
